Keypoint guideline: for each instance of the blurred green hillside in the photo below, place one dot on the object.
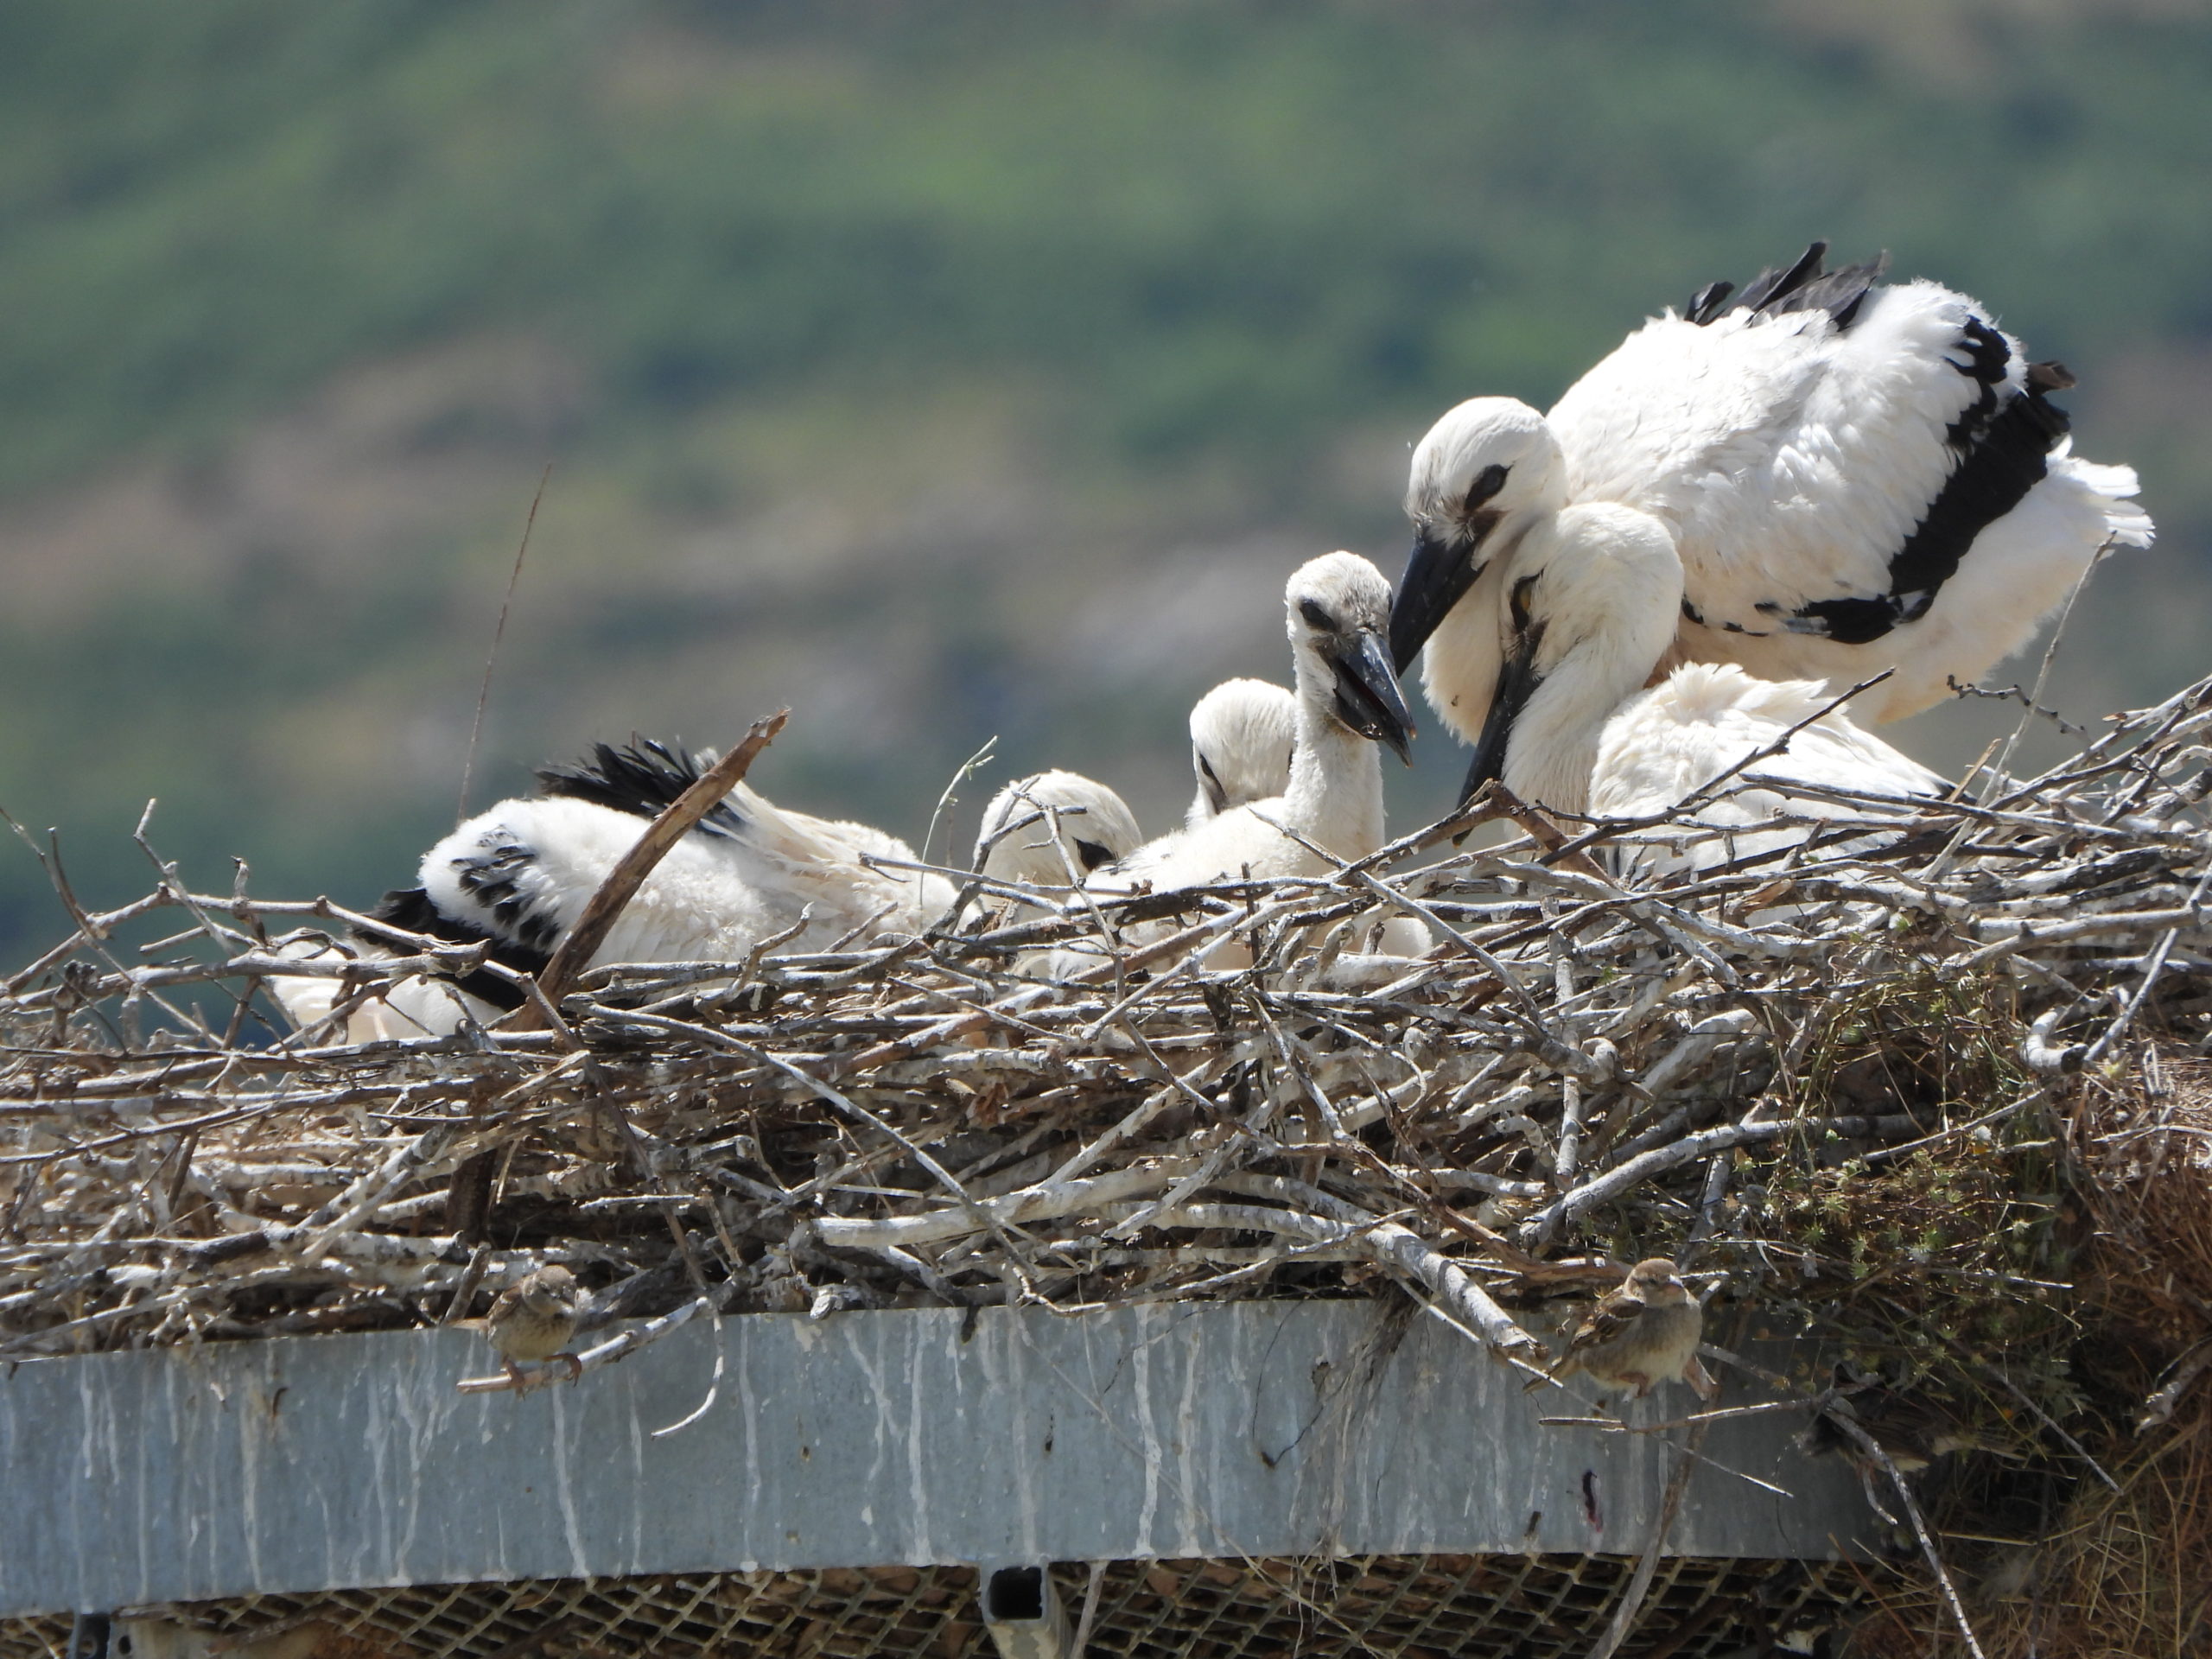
(941, 371)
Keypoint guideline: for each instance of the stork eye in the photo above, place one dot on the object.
(1487, 483)
(1521, 589)
(1314, 615)
(1093, 854)
(1211, 776)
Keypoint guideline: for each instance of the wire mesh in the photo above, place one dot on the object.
(1392, 1606)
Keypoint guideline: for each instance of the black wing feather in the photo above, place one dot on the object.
(1773, 283)
(1704, 305)
(1804, 286)
(2003, 444)
(643, 777)
(410, 908)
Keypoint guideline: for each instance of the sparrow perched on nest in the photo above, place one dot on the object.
(1642, 1334)
(534, 1319)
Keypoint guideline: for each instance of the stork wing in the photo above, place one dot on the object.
(1826, 471)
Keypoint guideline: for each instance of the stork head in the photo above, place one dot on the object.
(1485, 472)
(1241, 734)
(1589, 605)
(1091, 825)
(1339, 610)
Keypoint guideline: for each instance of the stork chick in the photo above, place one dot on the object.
(1243, 735)
(1337, 608)
(1589, 606)
(1052, 829)
(518, 877)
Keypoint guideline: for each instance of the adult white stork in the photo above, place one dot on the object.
(1242, 734)
(1856, 477)
(1348, 700)
(518, 877)
(1590, 598)
(1053, 829)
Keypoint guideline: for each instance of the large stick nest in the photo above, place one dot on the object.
(1921, 1083)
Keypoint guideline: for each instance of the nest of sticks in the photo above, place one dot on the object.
(1923, 1083)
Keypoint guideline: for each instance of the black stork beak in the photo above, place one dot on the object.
(1217, 796)
(1443, 565)
(1518, 680)
(1369, 698)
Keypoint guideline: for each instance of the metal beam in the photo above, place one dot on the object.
(1248, 1428)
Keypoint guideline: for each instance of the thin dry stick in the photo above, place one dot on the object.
(637, 1336)
(1871, 1449)
(491, 657)
(1995, 784)
(623, 881)
(948, 798)
(1082, 1642)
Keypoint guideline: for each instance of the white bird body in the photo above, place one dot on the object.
(1666, 743)
(1589, 606)
(1347, 700)
(524, 872)
(1243, 735)
(1855, 479)
(519, 876)
(1704, 718)
(1053, 830)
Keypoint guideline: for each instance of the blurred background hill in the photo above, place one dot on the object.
(944, 372)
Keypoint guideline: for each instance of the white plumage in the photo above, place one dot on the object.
(520, 875)
(1590, 599)
(1854, 477)
(1348, 700)
(1053, 830)
(1243, 733)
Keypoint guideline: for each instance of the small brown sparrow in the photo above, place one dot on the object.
(534, 1319)
(1642, 1334)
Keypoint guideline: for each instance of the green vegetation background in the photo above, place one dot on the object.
(943, 371)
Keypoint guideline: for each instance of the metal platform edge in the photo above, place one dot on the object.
(907, 1437)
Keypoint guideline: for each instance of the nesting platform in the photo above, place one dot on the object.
(779, 1472)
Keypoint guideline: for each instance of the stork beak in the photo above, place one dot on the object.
(1369, 699)
(1217, 797)
(1518, 680)
(1441, 568)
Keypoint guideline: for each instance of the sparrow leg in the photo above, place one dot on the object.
(575, 1367)
(515, 1376)
(1702, 1381)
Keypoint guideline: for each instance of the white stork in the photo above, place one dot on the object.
(1243, 733)
(520, 875)
(1348, 700)
(1856, 477)
(1590, 598)
(1053, 830)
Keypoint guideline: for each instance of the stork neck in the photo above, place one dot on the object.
(1613, 591)
(1335, 795)
(1554, 749)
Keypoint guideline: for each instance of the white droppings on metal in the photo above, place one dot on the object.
(564, 1457)
(1147, 1448)
(922, 1449)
